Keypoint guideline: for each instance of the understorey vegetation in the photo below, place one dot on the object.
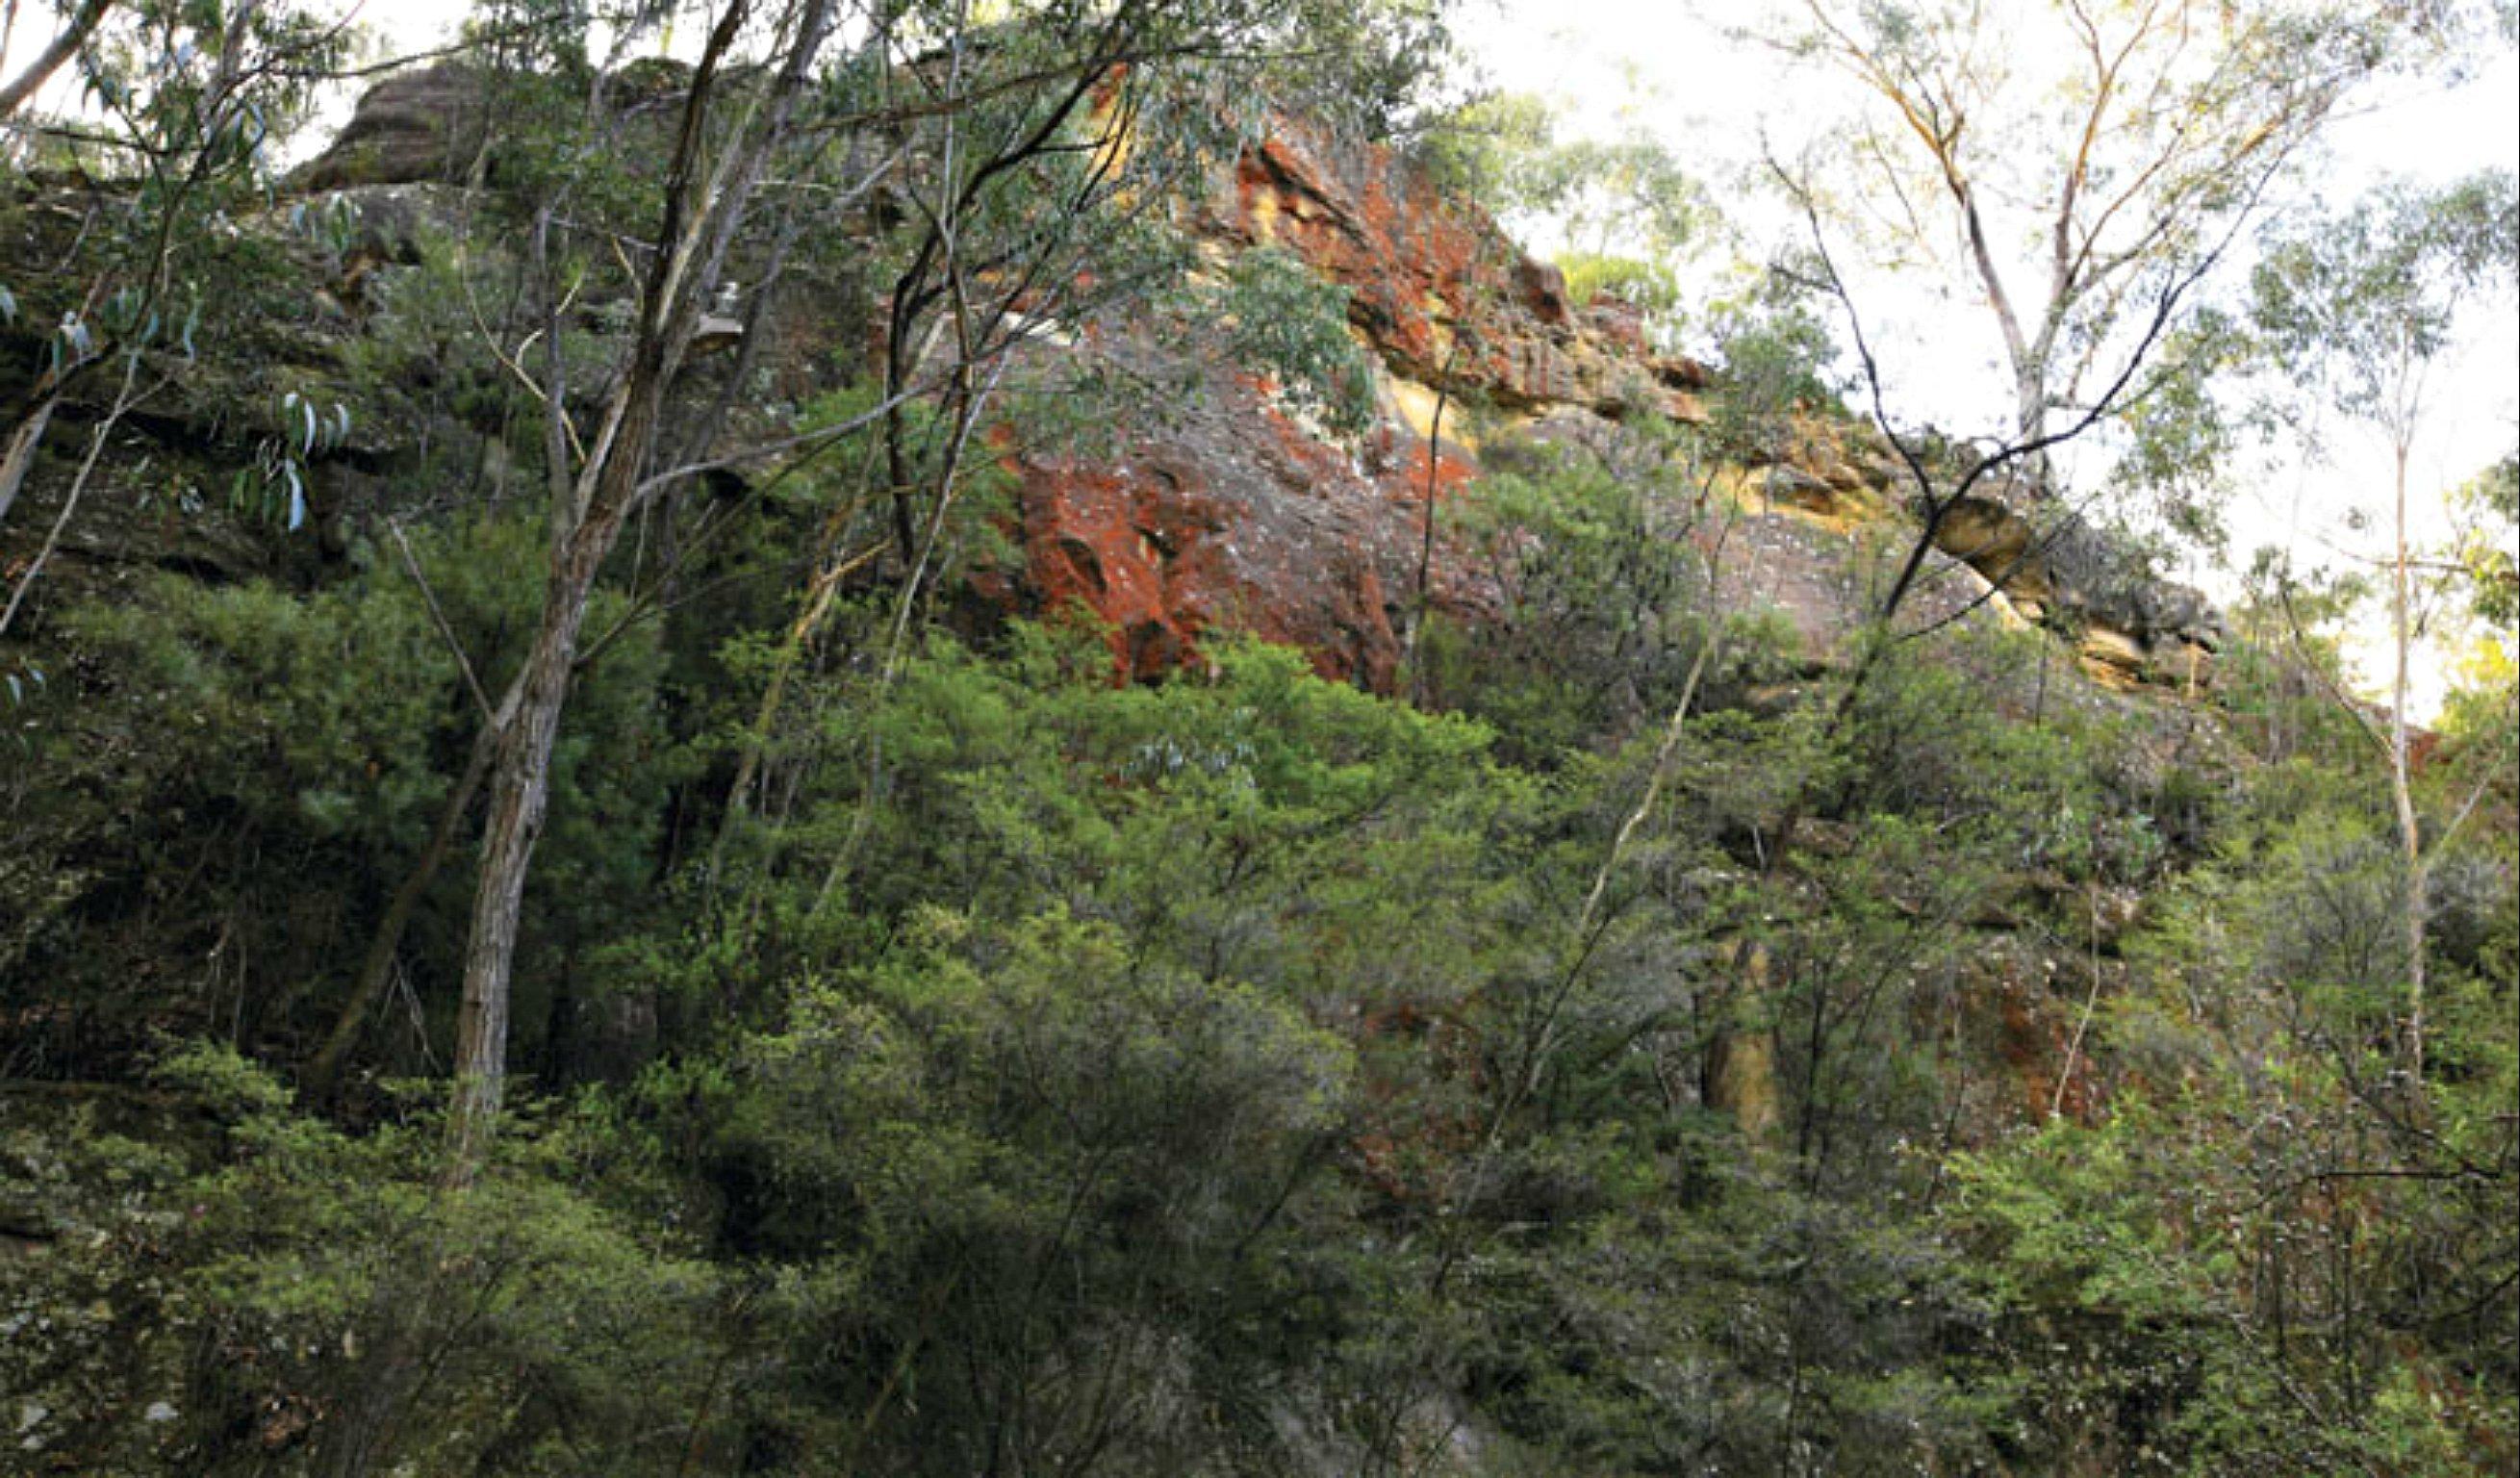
(559, 916)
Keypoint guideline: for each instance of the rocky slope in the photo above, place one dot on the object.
(1238, 516)
(1235, 513)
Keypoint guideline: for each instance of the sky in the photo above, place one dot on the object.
(1668, 67)
(1671, 69)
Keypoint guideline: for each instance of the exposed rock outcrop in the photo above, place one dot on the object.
(435, 126)
(1451, 308)
(417, 127)
(1230, 512)
(2056, 568)
(1447, 301)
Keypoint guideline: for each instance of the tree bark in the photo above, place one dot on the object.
(702, 208)
(2401, 791)
(82, 24)
(520, 790)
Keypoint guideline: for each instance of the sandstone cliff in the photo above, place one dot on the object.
(1233, 512)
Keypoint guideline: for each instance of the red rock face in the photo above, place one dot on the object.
(1438, 291)
(1227, 515)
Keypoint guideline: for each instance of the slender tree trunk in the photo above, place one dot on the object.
(521, 790)
(704, 206)
(521, 773)
(2401, 779)
(2030, 418)
(376, 969)
(83, 22)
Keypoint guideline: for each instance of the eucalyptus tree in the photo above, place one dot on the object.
(728, 131)
(1012, 156)
(182, 110)
(2064, 185)
(2360, 307)
(2077, 167)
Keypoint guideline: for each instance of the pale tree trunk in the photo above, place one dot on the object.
(607, 492)
(83, 22)
(2401, 779)
(701, 210)
(521, 790)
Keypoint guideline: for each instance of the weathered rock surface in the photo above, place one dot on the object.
(1226, 513)
(1443, 295)
(414, 128)
(2055, 567)
(1451, 308)
(1229, 515)
(436, 126)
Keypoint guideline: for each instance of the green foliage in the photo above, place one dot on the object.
(2357, 303)
(282, 1292)
(1292, 324)
(2257, 1256)
(2181, 438)
(1039, 1154)
(1117, 1077)
(1371, 70)
(185, 108)
(1601, 564)
(1776, 351)
(1639, 284)
(284, 757)
(1484, 148)
(2488, 506)
(265, 683)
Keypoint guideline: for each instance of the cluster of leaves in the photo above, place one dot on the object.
(227, 1280)
(1627, 215)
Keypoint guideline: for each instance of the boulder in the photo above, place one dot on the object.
(419, 127)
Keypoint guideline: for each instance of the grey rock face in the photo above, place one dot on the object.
(420, 127)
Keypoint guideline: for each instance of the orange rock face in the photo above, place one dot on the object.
(1438, 291)
(1229, 517)
(1226, 514)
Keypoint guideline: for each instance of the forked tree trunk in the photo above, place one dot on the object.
(521, 791)
(702, 208)
(521, 775)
